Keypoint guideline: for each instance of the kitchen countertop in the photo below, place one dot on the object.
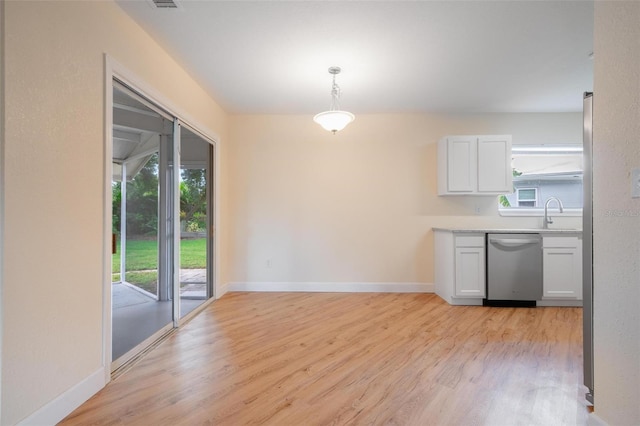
(513, 231)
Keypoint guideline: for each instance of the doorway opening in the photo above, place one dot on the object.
(162, 223)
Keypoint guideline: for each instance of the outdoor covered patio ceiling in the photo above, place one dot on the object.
(137, 131)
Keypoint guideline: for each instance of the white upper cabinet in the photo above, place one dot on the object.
(494, 164)
(474, 165)
(461, 163)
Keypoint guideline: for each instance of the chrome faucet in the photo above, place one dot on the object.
(547, 220)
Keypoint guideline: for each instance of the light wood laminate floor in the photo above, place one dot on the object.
(367, 358)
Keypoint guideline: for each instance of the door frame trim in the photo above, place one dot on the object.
(115, 70)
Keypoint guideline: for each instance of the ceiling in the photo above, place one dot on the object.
(271, 57)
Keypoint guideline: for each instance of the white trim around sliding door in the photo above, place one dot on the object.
(107, 219)
(114, 70)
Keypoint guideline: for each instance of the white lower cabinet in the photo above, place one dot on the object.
(460, 267)
(562, 267)
(470, 271)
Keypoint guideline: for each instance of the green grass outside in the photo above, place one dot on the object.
(147, 280)
(142, 261)
(193, 253)
(142, 255)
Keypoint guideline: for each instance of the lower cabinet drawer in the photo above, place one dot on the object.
(560, 242)
(470, 241)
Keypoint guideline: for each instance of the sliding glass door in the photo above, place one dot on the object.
(196, 225)
(142, 302)
(163, 232)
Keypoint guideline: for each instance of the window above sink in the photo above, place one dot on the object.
(540, 172)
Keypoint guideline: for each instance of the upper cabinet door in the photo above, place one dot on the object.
(461, 163)
(494, 164)
(474, 165)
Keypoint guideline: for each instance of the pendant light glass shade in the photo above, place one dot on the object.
(334, 120)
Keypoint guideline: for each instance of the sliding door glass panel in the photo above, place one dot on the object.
(195, 220)
(141, 239)
(141, 291)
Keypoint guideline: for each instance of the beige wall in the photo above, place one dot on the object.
(54, 180)
(359, 206)
(616, 133)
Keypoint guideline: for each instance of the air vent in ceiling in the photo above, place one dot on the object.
(165, 4)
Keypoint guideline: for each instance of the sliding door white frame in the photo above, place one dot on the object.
(114, 70)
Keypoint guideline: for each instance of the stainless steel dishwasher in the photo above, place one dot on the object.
(514, 269)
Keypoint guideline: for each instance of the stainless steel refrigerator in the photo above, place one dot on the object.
(587, 244)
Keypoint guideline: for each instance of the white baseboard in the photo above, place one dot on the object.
(64, 404)
(559, 302)
(222, 290)
(332, 287)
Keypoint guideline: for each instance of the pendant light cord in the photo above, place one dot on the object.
(335, 95)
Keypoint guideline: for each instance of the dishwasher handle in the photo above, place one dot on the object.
(513, 242)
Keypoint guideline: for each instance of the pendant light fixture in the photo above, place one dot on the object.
(334, 120)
